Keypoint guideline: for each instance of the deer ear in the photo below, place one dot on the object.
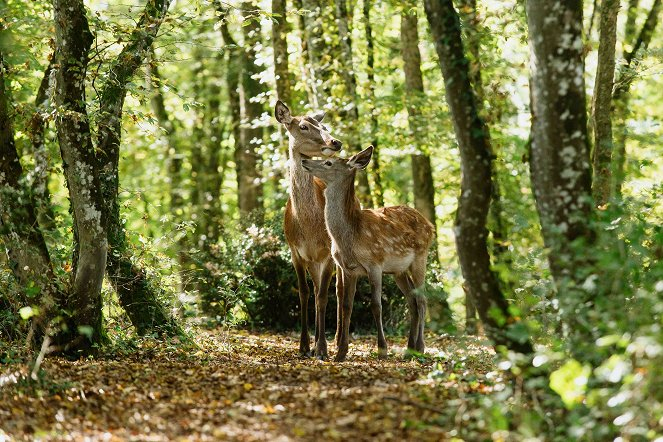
(361, 160)
(319, 116)
(282, 113)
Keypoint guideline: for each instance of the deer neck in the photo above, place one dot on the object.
(302, 189)
(342, 213)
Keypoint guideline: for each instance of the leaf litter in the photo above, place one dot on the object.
(249, 386)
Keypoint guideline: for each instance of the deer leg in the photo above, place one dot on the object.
(339, 305)
(418, 271)
(349, 286)
(314, 271)
(321, 294)
(404, 285)
(375, 279)
(304, 344)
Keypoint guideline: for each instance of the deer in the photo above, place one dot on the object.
(371, 242)
(304, 223)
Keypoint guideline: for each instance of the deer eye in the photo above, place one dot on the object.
(327, 163)
(303, 127)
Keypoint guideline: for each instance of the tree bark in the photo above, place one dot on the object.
(422, 172)
(280, 28)
(138, 295)
(623, 83)
(351, 109)
(247, 157)
(39, 177)
(318, 50)
(27, 254)
(158, 105)
(72, 42)
(559, 162)
(214, 157)
(474, 201)
(378, 192)
(280, 45)
(496, 226)
(233, 68)
(602, 113)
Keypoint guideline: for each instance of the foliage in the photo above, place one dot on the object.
(248, 279)
(243, 277)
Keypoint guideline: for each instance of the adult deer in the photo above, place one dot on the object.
(372, 242)
(304, 224)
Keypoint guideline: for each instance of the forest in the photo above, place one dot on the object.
(331, 220)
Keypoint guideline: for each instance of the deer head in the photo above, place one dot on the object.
(307, 134)
(331, 170)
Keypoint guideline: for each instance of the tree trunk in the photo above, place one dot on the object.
(602, 114)
(27, 254)
(214, 165)
(559, 162)
(138, 295)
(280, 28)
(623, 83)
(174, 158)
(72, 42)
(350, 80)
(280, 45)
(422, 172)
(318, 50)
(474, 202)
(247, 157)
(470, 18)
(40, 175)
(378, 192)
(233, 68)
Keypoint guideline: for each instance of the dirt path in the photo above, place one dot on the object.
(243, 386)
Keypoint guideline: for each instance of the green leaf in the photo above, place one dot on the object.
(570, 382)
(28, 312)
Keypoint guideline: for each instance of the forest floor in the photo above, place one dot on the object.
(239, 385)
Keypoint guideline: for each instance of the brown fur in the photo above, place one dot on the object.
(304, 223)
(372, 242)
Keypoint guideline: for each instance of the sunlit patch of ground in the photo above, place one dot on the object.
(248, 386)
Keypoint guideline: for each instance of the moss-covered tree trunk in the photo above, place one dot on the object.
(72, 44)
(472, 31)
(27, 255)
(39, 177)
(137, 293)
(474, 201)
(560, 164)
(621, 94)
(602, 112)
